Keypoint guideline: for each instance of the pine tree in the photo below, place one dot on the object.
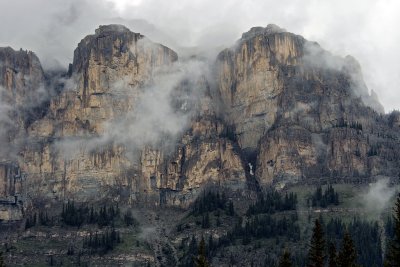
(393, 254)
(316, 254)
(285, 260)
(332, 255)
(205, 223)
(347, 254)
(201, 260)
(231, 209)
(2, 264)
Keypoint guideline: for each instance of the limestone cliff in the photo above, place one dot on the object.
(301, 111)
(66, 154)
(131, 122)
(21, 75)
(21, 89)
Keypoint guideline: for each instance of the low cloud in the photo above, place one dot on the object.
(6, 125)
(378, 197)
(316, 57)
(159, 115)
(365, 29)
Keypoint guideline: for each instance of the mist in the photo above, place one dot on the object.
(366, 30)
(159, 115)
(378, 197)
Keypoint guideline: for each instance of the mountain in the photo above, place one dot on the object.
(301, 113)
(136, 150)
(132, 122)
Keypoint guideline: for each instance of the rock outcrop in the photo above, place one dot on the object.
(131, 122)
(302, 112)
(69, 152)
(21, 89)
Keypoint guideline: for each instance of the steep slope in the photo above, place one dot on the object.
(132, 123)
(301, 112)
(21, 92)
(105, 135)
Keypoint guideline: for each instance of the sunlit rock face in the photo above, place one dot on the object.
(131, 122)
(302, 112)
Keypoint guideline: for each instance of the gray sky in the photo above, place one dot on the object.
(366, 29)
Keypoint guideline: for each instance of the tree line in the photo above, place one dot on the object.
(324, 198)
(333, 243)
(212, 201)
(102, 242)
(273, 201)
(355, 248)
(104, 216)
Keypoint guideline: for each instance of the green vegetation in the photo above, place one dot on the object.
(201, 260)
(347, 255)
(332, 261)
(366, 236)
(393, 252)
(1, 260)
(280, 228)
(273, 223)
(316, 254)
(344, 124)
(328, 197)
(263, 226)
(272, 202)
(74, 216)
(285, 260)
(101, 243)
(212, 201)
(41, 219)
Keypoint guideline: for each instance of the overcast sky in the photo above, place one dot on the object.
(366, 29)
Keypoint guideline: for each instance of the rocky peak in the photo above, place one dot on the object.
(20, 72)
(115, 54)
(21, 86)
(17, 59)
(270, 29)
(111, 29)
(292, 104)
(108, 41)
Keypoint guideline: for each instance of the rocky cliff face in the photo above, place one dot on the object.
(71, 153)
(21, 92)
(301, 111)
(21, 89)
(133, 123)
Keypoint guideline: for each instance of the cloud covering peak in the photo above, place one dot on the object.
(366, 30)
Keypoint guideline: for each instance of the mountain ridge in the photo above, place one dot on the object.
(277, 110)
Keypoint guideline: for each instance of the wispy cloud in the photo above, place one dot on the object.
(159, 116)
(366, 30)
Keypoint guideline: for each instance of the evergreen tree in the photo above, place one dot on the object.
(393, 254)
(285, 260)
(231, 209)
(205, 223)
(201, 260)
(332, 256)
(2, 264)
(347, 254)
(316, 254)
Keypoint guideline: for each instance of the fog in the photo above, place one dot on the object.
(366, 29)
(378, 197)
(158, 117)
